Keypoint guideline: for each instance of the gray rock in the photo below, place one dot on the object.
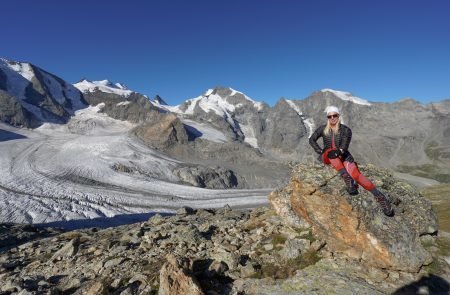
(156, 219)
(217, 178)
(113, 262)
(428, 239)
(69, 283)
(231, 259)
(217, 268)
(248, 270)
(185, 211)
(268, 247)
(317, 245)
(67, 251)
(189, 234)
(93, 288)
(11, 286)
(294, 247)
(377, 275)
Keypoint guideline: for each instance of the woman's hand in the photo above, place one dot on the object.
(334, 154)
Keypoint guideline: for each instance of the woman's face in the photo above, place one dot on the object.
(333, 118)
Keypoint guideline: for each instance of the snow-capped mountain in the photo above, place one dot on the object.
(118, 91)
(347, 96)
(380, 130)
(120, 102)
(103, 86)
(221, 107)
(30, 96)
(222, 101)
(241, 118)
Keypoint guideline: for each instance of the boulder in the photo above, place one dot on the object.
(294, 247)
(355, 225)
(176, 278)
(68, 251)
(215, 178)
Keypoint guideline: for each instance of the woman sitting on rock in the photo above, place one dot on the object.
(336, 140)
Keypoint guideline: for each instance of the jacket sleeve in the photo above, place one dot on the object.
(313, 139)
(346, 138)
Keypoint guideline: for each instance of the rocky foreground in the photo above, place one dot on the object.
(314, 239)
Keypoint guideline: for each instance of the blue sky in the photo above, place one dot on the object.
(378, 50)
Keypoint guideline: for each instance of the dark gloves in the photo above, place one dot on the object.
(334, 154)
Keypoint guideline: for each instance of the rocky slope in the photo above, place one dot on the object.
(123, 105)
(301, 250)
(30, 96)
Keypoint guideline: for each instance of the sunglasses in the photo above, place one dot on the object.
(333, 116)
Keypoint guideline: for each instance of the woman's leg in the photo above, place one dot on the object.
(368, 185)
(357, 176)
(337, 164)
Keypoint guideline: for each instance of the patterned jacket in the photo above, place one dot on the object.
(341, 140)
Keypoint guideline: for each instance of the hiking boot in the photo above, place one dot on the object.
(353, 190)
(350, 185)
(385, 204)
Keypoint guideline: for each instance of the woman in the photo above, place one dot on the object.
(336, 140)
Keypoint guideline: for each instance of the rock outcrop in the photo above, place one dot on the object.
(355, 225)
(165, 133)
(217, 178)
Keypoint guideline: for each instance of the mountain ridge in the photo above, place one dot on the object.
(399, 131)
(42, 96)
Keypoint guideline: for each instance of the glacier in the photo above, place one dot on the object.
(66, 172)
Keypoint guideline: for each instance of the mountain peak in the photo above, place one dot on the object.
(51, 100)
(159, 100)
(346, 96)
(409, 100)
(107, 86)
(224, 99)
(23, 69)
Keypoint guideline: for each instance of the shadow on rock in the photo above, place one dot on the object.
(431, 285)
(7, 135)
(101, 222)
(211, 276)
(192, 132)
